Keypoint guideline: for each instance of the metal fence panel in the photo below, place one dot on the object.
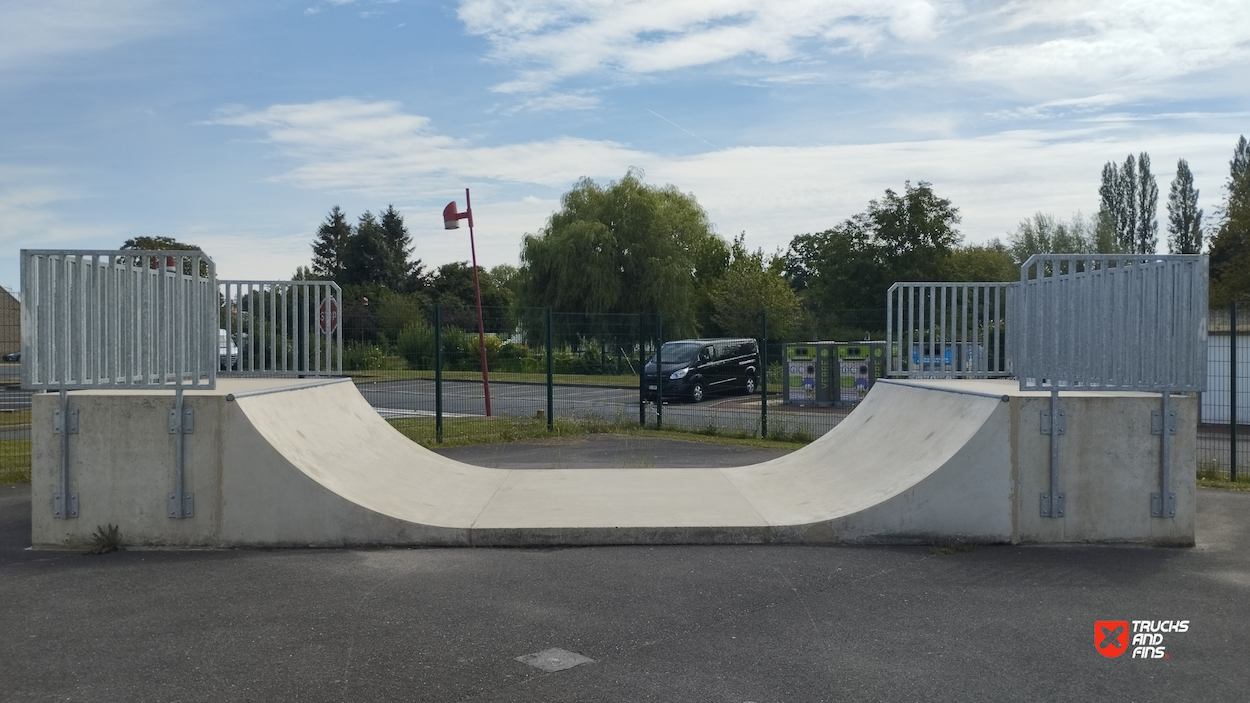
(99, 319)
(1122, 322)
(281, 328)
(948, 330)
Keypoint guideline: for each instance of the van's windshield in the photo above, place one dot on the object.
(678, 352)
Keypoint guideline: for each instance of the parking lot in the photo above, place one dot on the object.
(730, 413)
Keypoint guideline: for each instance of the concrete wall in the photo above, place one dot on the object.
(1109, 465)
(122, 465)
(252, 490)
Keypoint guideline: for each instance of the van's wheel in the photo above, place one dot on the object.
(696, 393)
(750, 388)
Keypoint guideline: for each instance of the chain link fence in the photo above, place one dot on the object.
(14, 402)
(1224, 417)
(552, 373)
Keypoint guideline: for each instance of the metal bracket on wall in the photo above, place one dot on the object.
(67, 421)
(64, 423)
(1156, 422)
(181, 424)
(59, 507)
(1054, 422)
(1163, 503)
(1049, 509)
(1157, 509)
(1047, 425)
(188, 421)
(182, 508)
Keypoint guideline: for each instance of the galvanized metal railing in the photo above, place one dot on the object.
(281, 328)
(119, 319)
(1112, 322)
(949, 330)
(98, 319)
(1130, 323)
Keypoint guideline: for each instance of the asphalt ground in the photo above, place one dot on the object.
(743, 623)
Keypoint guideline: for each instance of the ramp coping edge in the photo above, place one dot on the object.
(283, 389)
(962, 391)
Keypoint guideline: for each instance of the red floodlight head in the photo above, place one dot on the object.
(451, 218)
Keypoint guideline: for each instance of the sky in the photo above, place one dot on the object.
(236, 125)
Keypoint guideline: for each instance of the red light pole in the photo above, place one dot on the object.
(451, 220)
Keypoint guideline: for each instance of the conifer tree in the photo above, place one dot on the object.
(1184, 215)
(1146, 239)
(330, 246)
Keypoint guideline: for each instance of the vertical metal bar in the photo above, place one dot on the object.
(286, 300)
(438, 372)
(942, 291)
(1167, 499)
(551, 379)
(305, 333)
(337, 368)
(62, 508)
(764, 373)
(273, 326)
(180, 457)
(889, 328)
(1055, 425)
(642, 369)
(913, 351)
(929, 291)
(1232, 391)
(320, 333)
(659, 372)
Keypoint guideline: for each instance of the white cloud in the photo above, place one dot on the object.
(564, 39)
(559, 102)
(773, 193)
(1039, 50)
(31, 32)
(1138, 45)
(376, 148)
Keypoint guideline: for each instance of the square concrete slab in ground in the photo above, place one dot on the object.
(554, 659)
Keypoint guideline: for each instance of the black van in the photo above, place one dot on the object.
(697, 368)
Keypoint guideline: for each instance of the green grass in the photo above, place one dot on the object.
(480, 430)
(17, 417)
(948, 548)
(14, 461)
(623, 381)
(1208, 478)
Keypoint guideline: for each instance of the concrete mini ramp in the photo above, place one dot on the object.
(283, 463)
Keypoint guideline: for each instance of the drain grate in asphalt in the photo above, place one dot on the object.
(554, 659)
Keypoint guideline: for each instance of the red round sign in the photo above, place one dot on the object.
(328, 316)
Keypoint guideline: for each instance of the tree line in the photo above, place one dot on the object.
(629, 247)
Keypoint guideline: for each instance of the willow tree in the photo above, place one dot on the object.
(628, 247)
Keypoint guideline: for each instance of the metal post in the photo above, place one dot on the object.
(763, 373)
(64, 503)
(659, 372)
(438, 373)
(642, 376)
(1053, 424)
(477, 292)
(551, 385)
(1232, 391)
(1163, 503)
(181, 501)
